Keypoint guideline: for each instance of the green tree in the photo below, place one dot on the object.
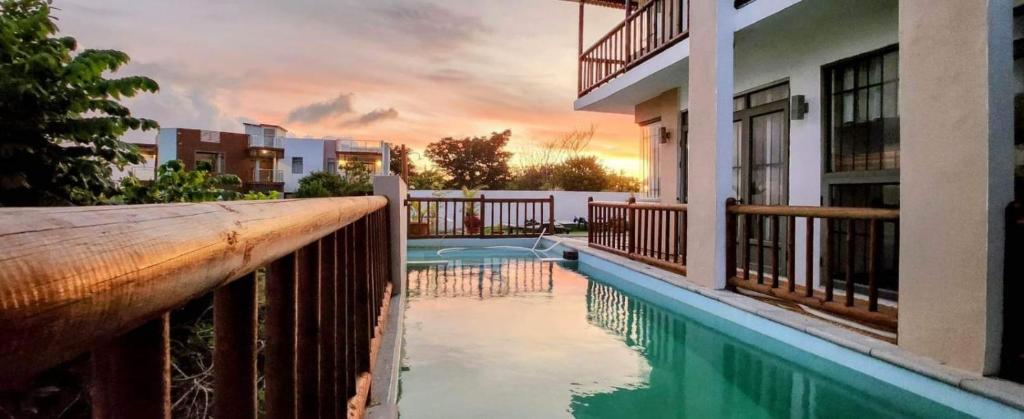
(581, 173)
(428, 179)
(536, 177)
(60, 118)
(354, 180)
(473, 162)
(175, 184)
(621, 182)
(396, 160)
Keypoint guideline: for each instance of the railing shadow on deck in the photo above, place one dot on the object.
(102, 280)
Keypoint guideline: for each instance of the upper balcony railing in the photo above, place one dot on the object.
(267, 176)
(355, 146)
(103, 280)
(261, 141)
(653, 27)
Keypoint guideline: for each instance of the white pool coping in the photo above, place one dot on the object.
(973, 394)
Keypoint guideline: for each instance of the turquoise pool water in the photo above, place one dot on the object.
(502, 334)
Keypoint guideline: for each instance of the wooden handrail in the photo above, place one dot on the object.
(816, 212)
(642, 34)
(73, 278)
(652, 233)
(765, 261)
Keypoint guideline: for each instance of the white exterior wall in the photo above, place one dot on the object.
(568, 204)
(312, 153)
(794, 45)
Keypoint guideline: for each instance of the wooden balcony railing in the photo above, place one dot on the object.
(758, 230)
(480, 217)
(103, 280)
(652, 28)
(651, 233)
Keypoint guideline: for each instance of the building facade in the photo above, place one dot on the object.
(896, 104)
(265, 158)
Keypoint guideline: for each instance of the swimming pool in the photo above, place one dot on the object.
(501, 333)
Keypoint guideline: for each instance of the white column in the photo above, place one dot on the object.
(395, 190)
(956, 177)
(710, 137)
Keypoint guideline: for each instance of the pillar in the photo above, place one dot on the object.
(956, 177)
(710, 139)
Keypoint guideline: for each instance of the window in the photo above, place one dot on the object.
(212, 162)
(297, 165)
(862, 157)
(209, 136)
(863, 131)
(650, 158)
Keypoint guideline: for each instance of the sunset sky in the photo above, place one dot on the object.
(405, 71)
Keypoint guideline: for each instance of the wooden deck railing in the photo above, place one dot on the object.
(480, 217)
(650, 29)
(651, 233)
(104, 279)
(758, 230)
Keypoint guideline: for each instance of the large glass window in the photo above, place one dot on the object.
(864, 127)
(212, 162)
(862, 153)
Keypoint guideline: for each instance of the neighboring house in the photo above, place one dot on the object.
(894, 104)
(144, 171)
(254, 156)
(265, 158)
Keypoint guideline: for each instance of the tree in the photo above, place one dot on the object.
(581, 173)
(60, 118)
(354, 181)
(477, 162)
(396, 160)
(428, 179)
(621, 182)
(175, 184)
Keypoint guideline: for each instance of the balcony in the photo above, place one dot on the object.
(653, 27)
(264, 176)
(357, 147)
(264, 146)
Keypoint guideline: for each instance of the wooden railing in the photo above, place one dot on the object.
(853, 236)
(480, 217)
(651, 233)
(650, 29)
(104, 279)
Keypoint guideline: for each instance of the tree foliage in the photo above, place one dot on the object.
(354, 180)
(397, 155)
(60, 118)
(473, 161)
(428, 179)
(581, 173)
(175, 184)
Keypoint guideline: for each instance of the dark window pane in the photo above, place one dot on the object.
(865, 125)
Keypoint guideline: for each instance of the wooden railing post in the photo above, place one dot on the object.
(279, 370)
(307, 328)
(631, 225)
(328, 328)
(590, 219)
(482, 215)
(234, 349)
(551, 214)
(730, 241)
(132, 374)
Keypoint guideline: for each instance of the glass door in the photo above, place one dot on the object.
(760, 173)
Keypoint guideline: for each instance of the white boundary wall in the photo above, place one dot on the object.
(568, 204)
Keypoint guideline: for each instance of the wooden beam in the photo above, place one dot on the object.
(131, 375)
(73, 278)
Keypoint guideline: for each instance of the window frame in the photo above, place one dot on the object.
(301, 165)
(829, 178)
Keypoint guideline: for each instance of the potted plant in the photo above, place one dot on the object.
(471, 221)
(419, 226)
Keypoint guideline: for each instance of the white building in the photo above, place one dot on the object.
(898, 104)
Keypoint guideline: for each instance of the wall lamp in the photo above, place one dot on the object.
(798, 107)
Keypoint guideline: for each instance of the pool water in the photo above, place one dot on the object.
(503, 334)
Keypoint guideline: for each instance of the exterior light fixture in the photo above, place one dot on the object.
(798, 107)
(664, 135)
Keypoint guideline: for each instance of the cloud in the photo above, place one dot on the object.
(431, 26)
(317, 112)
(372, 117)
